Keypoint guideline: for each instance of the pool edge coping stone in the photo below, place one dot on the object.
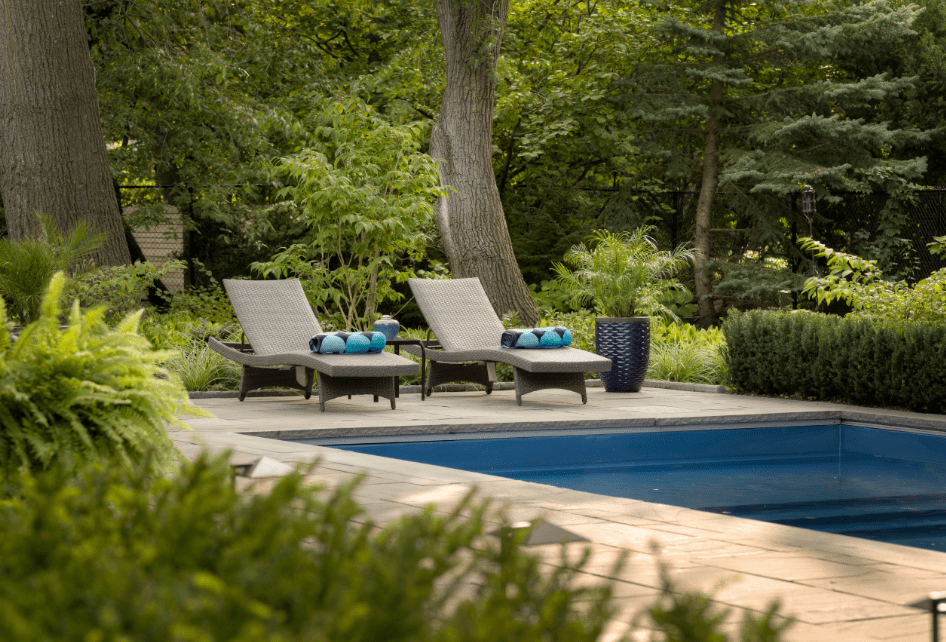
(759, 420)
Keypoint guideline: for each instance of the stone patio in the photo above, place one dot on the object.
(838, 588)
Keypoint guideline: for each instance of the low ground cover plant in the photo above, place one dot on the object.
(184, 339)
(683, 352)
(866, 360)
(86, 392)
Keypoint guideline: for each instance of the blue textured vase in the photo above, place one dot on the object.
(626, 342)
(387, 326)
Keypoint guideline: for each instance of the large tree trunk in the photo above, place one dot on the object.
(471, 220)
(704, 206)
(52, 152)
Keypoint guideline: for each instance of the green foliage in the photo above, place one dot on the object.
(551, 296)
(581, 323)
(200, 368)
(860, 284)
(188, 558)
(690, 616)
(189, 358)
(624, 274)
(27, 266)
(208, 302)
(120, 289)
(759, 283)
(85, 393)
(365, 196)
(683, 352)
(938, 246)
(689, 362)
(864, 360)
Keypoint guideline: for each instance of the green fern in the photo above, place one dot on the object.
(26, 266)
(83, 393)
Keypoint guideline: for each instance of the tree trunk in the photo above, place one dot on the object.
(704, 206)
(471, 220)
(52, 151)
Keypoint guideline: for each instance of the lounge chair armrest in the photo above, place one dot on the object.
(232, 351)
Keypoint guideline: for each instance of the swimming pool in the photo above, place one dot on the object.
(880, 484)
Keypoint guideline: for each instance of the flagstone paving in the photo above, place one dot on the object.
(837, 588)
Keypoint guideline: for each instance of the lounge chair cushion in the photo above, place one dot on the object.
(347, 342)
(531, 338)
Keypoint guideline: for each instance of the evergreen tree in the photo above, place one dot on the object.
(757, 97)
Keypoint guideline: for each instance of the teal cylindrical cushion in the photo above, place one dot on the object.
(553, 337)
(347, 342)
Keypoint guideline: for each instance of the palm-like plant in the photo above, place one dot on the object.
(623, 274)
(27, 266)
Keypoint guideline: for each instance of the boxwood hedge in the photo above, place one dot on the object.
(862, 360)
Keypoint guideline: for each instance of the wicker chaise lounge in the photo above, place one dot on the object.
(278, 322)
(463, 320)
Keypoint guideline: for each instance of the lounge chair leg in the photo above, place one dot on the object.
(518, 399)
(392, 403)
(584, 398)
(489, 388)
(322, 406)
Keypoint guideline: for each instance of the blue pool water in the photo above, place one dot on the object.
(878, 484)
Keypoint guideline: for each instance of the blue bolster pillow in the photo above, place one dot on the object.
(557, 337)
(347, 342)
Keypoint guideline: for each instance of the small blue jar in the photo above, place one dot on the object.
(387, 326)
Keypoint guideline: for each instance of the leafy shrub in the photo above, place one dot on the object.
(581, 323)
(365, 194)
(197, 366)
(119, 288)
(189, 559)
(200, 368)
(683, 352)
(178, 329)
(551, 297)
(84, 393)
(856, 359)
(209, 303)
(861, 284)
(27, 266)
(624, 274)
(688, 362)
(937, 246)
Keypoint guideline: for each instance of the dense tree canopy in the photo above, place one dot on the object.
(602, 115)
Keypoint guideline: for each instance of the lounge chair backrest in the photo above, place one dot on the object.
(458, 312)
(275, 315)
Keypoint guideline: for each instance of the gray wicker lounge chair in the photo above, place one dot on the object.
(278, 321)
(463, 320)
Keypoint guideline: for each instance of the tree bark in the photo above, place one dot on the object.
(704, 206)
(471, 220)
(52, 151)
